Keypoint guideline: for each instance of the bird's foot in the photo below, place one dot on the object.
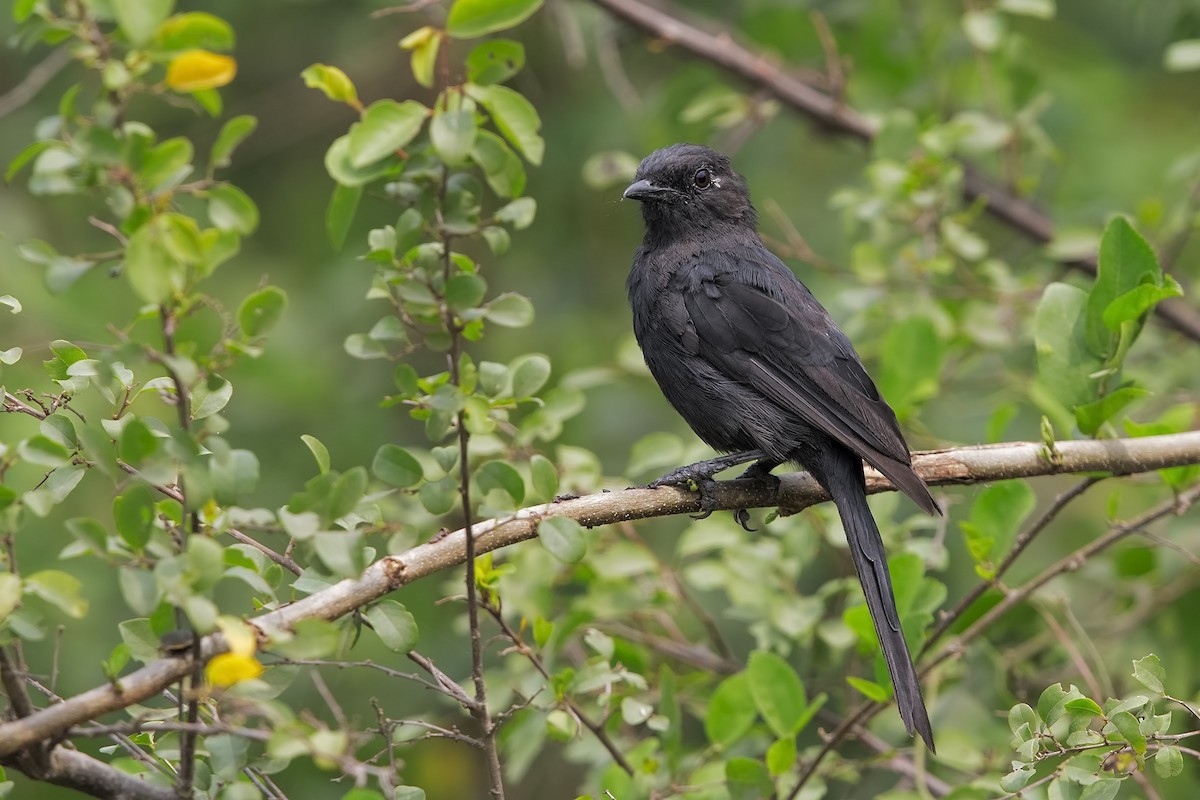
(704, 470)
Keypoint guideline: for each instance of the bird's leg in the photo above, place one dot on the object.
(759, 470)
(700, 474)
(704, 470)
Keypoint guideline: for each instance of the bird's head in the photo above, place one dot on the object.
(689, 186)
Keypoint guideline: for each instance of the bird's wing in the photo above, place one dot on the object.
(755, 322)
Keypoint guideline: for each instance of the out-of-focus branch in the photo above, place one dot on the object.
(795, 491)
(834, 116)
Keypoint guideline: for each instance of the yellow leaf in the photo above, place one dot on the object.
(193, 70)
(227, 669)
(239, 635)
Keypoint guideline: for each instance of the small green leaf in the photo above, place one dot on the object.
(519, 213)
(996, 516)
(564, 538)
(1065, 363)
(529, 374)
(231, 209)
(10, 594)
(1016, 780)
(465, 291)
(1168, 761)
(748, 779)
(510, 310)
(330, 80)
(167, 164)
(396, 466)
(43, 451)
(1125, 260)
(1103, 789)
(155, 274)
(339, 214)
(439, 496)
(343, 170)
(453, 135)
(1135, 303)
(60, 590)
(136, 443)
(502, 168)
(386, 126)
(347, 491)
(1149, 672)
(515, 118)
(911, 363)
(469, 19)
(1090, 416)
(503, 476)
(778, 692)
(311, 638)
(781, 756)
(395, 626)
(543, 476)
(261, 311)
(139, 19)
(319, 451)
(424, 43)
(211, 396)
(232, 134)
(1130, 729)
(731, 710)
(495, 61)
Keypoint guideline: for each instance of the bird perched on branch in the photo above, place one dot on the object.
(758, 369)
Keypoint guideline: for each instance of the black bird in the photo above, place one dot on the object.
(758, 368)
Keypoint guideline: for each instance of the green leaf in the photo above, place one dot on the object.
(261, 311)
(1125, 260)
(10, 594)
(232, 134)
(453, 135)
(135, 513)
(439, 496)
(503, 476)
(194, 30)
(1065, 363)
(424, 43)
(1149, 672)
(510, 310)
(1083, 707)
(609, 168)
(469, 19)
(731, 710)
(311, 638)
(231, 209)
(529, 374)
(343, 170)
(564, 538)
(167, 164)
(319, 451)
(1103, 789)
(136, 443)
(1130, 729)
(1168, 761)
(495, 61)
(346, 492)
(396, 466)
(519, 213)
(543, 476)
(140, 590)
(781, 756)
(996, 515)
(778, 693)
(1090, 416)
(155, 274)
(748, 779)
(910, 364)
(502, 168)
(43, 451)
(211, 396)
(139, 19)
(1016, 780)
(515, 118)
(330, 80)
(60, 590)
(465, 291)
(1135, 303)
(386, 126)
(395, 626)
(339, 215)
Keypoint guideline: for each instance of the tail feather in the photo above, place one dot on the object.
(870, 562)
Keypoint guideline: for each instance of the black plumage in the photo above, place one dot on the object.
(754, 363)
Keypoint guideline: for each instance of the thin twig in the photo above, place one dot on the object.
(34, 80)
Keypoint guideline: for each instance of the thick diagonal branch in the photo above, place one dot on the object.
(797, 490)
(833, 115)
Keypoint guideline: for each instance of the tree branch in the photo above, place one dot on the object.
(797, 490)
(836, 117)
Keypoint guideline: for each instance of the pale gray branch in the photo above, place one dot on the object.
(951, 467)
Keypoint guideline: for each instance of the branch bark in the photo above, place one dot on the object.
(835, 116)
(795, 491)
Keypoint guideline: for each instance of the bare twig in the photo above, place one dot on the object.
(34, 80)
(834, 116)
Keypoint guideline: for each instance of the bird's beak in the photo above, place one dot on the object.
(644, 190)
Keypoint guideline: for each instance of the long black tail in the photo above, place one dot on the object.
(844, 479)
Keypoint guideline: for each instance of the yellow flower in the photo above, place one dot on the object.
(227, 669)
(193, 70)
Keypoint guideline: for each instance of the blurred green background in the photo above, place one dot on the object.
(1120, 127)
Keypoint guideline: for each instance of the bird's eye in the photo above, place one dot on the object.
(702, 178)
